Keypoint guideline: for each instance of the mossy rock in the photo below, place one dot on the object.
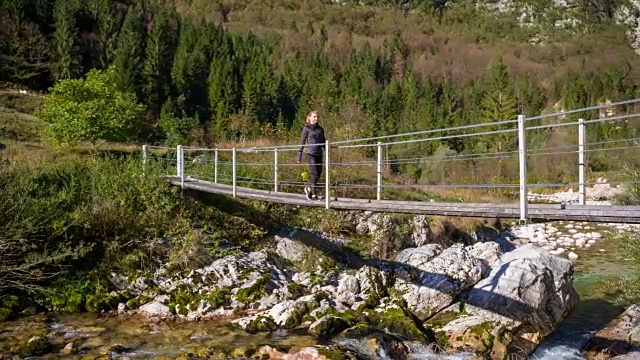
(37, 345)
(134, 303)
(483, 338)
(262, 323)
(296, 290)
(5, 314)
(95, 303)
(113, 299)
(30, 311)
(334, 352)
(329, 326)
(254, 292)
(357, 331)
(218, 297)
(397, 323)
(242, 352)
(442, 318)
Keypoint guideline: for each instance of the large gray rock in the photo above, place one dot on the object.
(419, 257)
(621, 336)
(420, 231)
(372, 280)
(348, 289)
(290, 249)
(529, 291)
(433, 285)
(286, 314)
(489, 252)
(155, 309)
(305, 249)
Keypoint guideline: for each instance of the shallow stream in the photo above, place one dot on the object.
(132, 337)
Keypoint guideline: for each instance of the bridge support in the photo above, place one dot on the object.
(144, 159)
(582, 192)
(233, 171)
(180, 164)
(522, 154)
(327, 177)
(379, 174)
(275, 170)
(215, 166)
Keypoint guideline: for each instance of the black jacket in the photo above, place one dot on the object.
(312, 134)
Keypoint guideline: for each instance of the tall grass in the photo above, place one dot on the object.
(100, 212)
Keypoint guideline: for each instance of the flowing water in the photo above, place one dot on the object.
(136, 338)
(132, 337)
(594, 269)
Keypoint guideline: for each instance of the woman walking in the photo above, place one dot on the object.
(313, 136)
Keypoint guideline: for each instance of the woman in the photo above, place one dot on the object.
(312, 134)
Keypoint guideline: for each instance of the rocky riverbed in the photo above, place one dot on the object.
(488, 297)
(485, 293)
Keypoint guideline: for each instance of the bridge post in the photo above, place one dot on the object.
(178, 160)
(379, 174)
(327, 177)
(522, 154)
(233, 171)
(180, 164)
(275, 170)
(582, 192)
(144, 159)
(215, 166)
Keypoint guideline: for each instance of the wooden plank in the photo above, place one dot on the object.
(602, 213)
(443, 204)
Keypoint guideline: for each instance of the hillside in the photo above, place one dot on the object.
(252, 69)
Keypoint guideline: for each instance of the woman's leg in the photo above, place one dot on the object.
(315, 168)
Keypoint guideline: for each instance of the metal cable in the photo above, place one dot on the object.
(621, 117)
(595, 107)
(430, 139)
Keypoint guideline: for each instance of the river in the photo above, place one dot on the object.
(133, 337)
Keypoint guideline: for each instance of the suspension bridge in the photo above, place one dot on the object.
(260, 173)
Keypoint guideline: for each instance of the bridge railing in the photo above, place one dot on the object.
(221, 165)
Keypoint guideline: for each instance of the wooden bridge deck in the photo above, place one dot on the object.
(539, 212)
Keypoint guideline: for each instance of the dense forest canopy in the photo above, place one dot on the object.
(242, 69)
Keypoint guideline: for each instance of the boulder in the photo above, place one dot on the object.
(528, 293)
(489, 252)
(419, 257)
(155, 309)
(432, 286)
(620, 337)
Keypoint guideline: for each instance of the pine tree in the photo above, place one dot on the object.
(66, 61)
(130, 52)
(223, 87)
(156, 72)
(499, 102)
(108, 23)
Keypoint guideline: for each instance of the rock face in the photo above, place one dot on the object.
(478, 297)
(432, 285)
(629, 13)
(621, 337)
(528, 292)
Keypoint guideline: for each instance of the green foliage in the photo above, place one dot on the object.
(177, 131)
(128, 57)
(156, 72)
(90, 109)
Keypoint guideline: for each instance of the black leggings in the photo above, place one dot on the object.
(315, 169)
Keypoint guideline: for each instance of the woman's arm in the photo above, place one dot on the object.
(302, 141)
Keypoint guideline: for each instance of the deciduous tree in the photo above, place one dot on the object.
(91, 109)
